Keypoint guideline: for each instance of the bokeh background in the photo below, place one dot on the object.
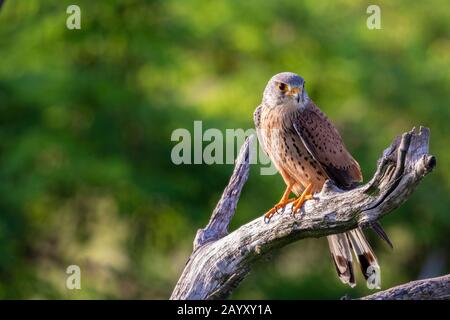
(86, 118)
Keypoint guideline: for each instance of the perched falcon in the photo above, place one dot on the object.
(307, 150)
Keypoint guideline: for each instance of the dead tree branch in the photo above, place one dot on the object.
(220, 261)
(427, 289)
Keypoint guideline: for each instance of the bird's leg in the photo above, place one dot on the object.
(283, 202)
(306, 195)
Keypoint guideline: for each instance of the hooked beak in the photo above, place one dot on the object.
(296, 94)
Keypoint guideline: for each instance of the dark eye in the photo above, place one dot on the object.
(282, 87)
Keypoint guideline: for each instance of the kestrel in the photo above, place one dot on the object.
(307, 150)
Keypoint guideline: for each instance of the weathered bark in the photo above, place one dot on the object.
(220, 261)
(427, 289)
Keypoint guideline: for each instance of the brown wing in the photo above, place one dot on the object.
(323, 142)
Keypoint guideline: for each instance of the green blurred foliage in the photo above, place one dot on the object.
(86, 118)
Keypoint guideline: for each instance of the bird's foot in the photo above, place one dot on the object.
(296, 207)
(269, 214)
(306, 195)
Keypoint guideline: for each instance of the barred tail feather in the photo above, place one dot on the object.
(364, 253)
(342, 258)
(341, 246)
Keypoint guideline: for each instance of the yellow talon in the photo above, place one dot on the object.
(269, 214)
(306, 195)
(282, 203)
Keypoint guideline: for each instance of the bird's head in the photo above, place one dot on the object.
(286, 89)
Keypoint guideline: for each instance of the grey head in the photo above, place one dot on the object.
(285, 89)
